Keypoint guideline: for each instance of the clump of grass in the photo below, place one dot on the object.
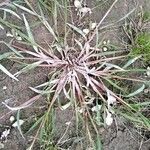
(79, 70)
(138, 35)
(142, 46)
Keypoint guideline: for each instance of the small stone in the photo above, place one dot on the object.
(4, 87)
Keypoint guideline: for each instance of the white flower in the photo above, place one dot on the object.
(8, 34)
(109, 118)
(16, 123)
(86, 31)
(96, 108)
(93, 25)
(105, 48)
(105, 42)
(4, 87)
(80, 110)
(148, 71)
(19, 38)
(77, 4)
(14, 34)
(85, 10)
(68, 123)
(111, 99)
(11, 119)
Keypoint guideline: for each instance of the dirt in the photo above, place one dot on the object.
(120, 136)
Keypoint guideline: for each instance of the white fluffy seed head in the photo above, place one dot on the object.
(111, 99)
(77, 4)
(105, 42)
(11, 119)
(148, 71)
(86, 31)
(96, 108)
(105, 48)
(93, 25)
(85, 10)
(109, 119)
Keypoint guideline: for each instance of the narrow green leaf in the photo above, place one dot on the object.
(35, 124)
(11, 12)
(98, 143)
(25, 9)
(41, 91)
(5, 55)
(49, 28)
(8, 24)
(18, 125)
(2, 68)
(29, 33)
(131, 118)
(13, 49)
(76, 29)
(29, 67)
(137, 91)
(114, 85)
(131, 61)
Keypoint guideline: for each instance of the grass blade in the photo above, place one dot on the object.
(29, 33)
(76, 29)
(11, 12)
(25, 9)
(35, 124)
(5, 55)
(2, 68)
(137, 91)
(131, 61)
(18, 124)
(29, 67)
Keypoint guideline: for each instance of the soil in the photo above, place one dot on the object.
(120, 136)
